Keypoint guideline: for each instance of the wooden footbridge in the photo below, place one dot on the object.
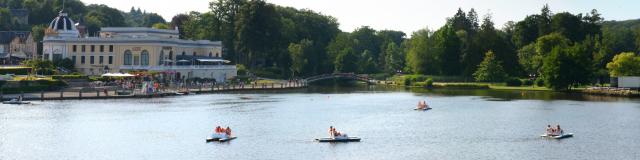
(351, 76)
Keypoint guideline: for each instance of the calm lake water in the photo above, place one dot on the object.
(477, 124)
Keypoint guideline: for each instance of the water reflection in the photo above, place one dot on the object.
(464, 124)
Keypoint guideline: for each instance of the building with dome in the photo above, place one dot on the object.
(124, 49)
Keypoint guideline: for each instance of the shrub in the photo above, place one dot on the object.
(16, 71)
(69, 77)
(407, 82)
(527, 82)
(461, 86)
(24, 83)
(513, 82)
(539, 82)
(242, 70)
(428, 83)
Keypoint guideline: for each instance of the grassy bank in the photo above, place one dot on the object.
(453, 82)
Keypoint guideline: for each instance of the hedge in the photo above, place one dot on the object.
(69, 77)
(16, 71)
(513, 82)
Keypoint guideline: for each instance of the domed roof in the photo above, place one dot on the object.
(62, 22)
(62, 26)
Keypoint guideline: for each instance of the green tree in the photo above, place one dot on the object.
(529, 59)
(148, 20)
(624, 64)
(346, 61)
(422, 55)
(160, 26)
(367, 62)
(258, 30)
(564, 68)
(450, 46)
(490, 70)
(5, 19)
(394, 59)
(299, 55)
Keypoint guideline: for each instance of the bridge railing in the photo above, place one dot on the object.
(338, 75)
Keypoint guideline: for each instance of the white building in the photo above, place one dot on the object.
(123, 49)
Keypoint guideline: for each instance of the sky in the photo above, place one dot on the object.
(404, 15)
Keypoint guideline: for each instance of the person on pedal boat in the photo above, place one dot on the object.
(559, 130)
(425, 104)
(549, 130)
(218, 129)
(228, 131)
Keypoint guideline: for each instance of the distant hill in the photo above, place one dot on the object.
(630, 24)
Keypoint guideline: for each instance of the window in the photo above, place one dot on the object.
(194, 53)
(110, 48)
(83, 48)
(81, 59)
(73, 59)
(93, 48)
(46, 56)
(183, 53)
(75, 48)
(101, 48)
(170, 54)
(91, 60)
(210, 55)
(57, 57)
(144, 58)
(110, 59)
(127, 57)
(136, 60)
(100, 59)
(161, 59)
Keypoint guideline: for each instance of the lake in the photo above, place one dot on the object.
(464, 124)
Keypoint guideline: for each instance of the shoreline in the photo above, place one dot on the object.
(111, 94)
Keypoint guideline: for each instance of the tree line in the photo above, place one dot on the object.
(94, 16)
(562, 49)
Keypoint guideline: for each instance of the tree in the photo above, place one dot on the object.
(450, 46)
(564, 68)
(65, 63)
(568, 25)
(490, 70)
(367, 63)
(160, 26)
(5, 19)
(546, 43)
(299, 55)
(178, 21)
(422, 55)
(529, 59)
(150, 19)
(624, 64)
(346, 61)
(258, 30)
(394, 59)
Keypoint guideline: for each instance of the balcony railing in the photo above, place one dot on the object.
(219, 67)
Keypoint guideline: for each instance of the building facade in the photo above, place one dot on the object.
(16, 46)
(124, 49)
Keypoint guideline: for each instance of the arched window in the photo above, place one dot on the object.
(170, 54)
(144, 56)
(161, 58)
(127, 57)
(183, 53)
(210, 55)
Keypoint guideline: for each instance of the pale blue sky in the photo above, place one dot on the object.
(404, 15)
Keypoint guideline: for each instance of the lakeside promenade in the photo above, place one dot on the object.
(111, 93)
